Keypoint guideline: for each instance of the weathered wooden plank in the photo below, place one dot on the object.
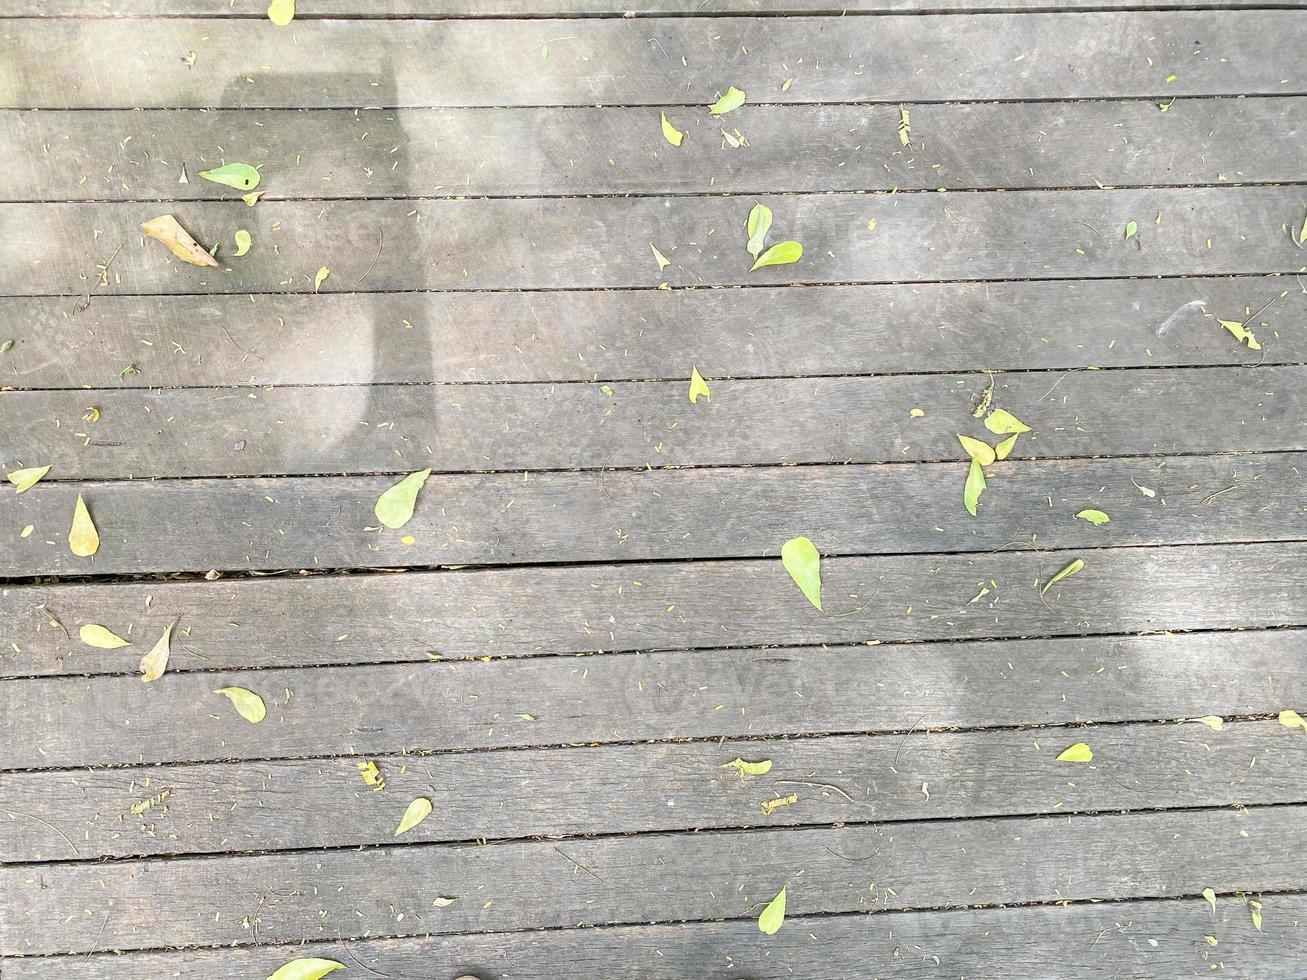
(332, 63)
(1086, 941)
(81, 155)
(196, 432)
(361, 338)
(268, 806)
(392, 708)
(536, 243)
(387, 890)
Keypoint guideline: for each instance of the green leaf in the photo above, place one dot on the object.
(306, 968)
(729, 102)
(1095, 517)
(670, 132)
(417, 811)
(1080, 752)
(241, 176)
(243, 242)
(981, 452)
(801, 560)
(26, 479)
(1004, 449)
(249, 704)
(1067, 572)
(100, 637)
(750, 768)
(1241, 333)
(698, 387)
(1131, 229)
(773, 916)
(759, 225)
(1001, 423)
(782, 253)
(974, 487)
(320, 278)
(251, 198)
(395, 506)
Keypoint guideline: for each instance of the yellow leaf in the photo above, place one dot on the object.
(252, 198)
(1291, 719)
(83, 538)
(670, 132)
(154, 663)
(26, 479)
(1095, 517)
(305, 968)
(1214, 722)
(974, 487)
(782, 253)
(1211, 898)
(698, 387)
(802, 560)
(729, 102)
(1241, 333)
(166, 229)
(417, 811)
(1001, 423)
(773, 916)
(662, 260)
(771, 806)
(249, 704)
(395, 506)
(905, 126)
(320, 278)
(281, 13)
(916, 413)
(1080, 752)
(27, 530)
(760, 768)
(94, 635)
(981, 452)
(1255, 910)
(1004, 449)
(243, 241)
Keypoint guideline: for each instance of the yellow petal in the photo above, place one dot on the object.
(83, 539)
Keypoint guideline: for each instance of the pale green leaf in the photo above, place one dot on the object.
(83, 538)
(729, 102)
(905, 126)
(981, 452)
(1068, 571)
(1080, 752)
(1210, 895)
(154, 663)
(395, 507)
(249, 704)
(101, 637)
(305, 968)
(251, 198)
(1096, 517)
(698, 386)
(801, 560)
(1214, 722)
(243, 242)
(1255, 911)
(1241, 333)
(670, 132)
(1131, 229)
(1001, 422)
(1302, 232)
(320, 278)
(241, 176)
(1004, 449)
(27, 478)
(782, 253)
(773, 916)
(760, 768)
(974, 487)
(662, 260)
(759, 225)
(417, 811)
(1291, 719)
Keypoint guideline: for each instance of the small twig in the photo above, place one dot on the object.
(238, 346)
(1056, 383)
(854, 612)
(852, 860)
(381, 240)
(804, 782)
(350, 953)
(906, 737)
(1212, 496)
(46, 823)
(582, 867)
(99, 935)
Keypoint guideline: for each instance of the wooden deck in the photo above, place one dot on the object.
(587, 619)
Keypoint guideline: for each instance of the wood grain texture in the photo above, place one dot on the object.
(388, 890)
(323, 523)
(79, 155)
(345, 63)
(393, 708)
(268, 806)
(470, 428)
(604, 242)
(387, 338)
(1085, 941)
